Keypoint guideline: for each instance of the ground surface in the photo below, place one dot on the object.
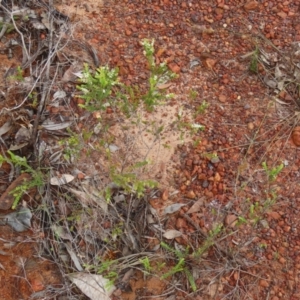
(220, 168)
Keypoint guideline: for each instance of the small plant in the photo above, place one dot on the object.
(104, 88)
(35, 181)
(182, 124)
(197, 142)
(129, 182)
(159, 74)
(117, 231)
(146, 264)
(195, 127)
(210, 156)
(34, 99)
(98, 89)
(201, 109)
(263, 246)
(180, 265)
(8, 27)
(193, 94)
(18, 76)
(107, 268)
(209, 241)
(254, 61)
(241, 220)
(255, 212)
(273, 172)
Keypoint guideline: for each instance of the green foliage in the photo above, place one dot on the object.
(273, 172)
(180, 265)
(36, 176)
(117, 231)
(178, 254)
(201, 109)
(146, 264)
(9, 27)
(34, 99)
(159, 74)
(183, 126)
(98, 88)
(210, 156)
(74, 144)
(19, 75)
(106, 268)
(130, 182)
(193, 94)
(103, 88)
(258, 208)
(209, 241)
(254, 61)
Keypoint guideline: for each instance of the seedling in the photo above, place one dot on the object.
(130, 182)
(159, 74)
(98, 89)
(273, 172)
(36, 176)
(180, 265)
(254, 61)
(19, 75)
(193, 94)
(107, 268)
(201, 109)
(146, 264)
(209, 241)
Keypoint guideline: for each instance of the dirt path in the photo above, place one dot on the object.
(211, 46)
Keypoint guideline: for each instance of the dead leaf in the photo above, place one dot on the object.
(231, 220)
(59, 95)
(270, 82)
(23, 135)
(61, 180)
(61, 232)
(160, 52)
(83, 197)
(5, 128)
(74, 257)
(18, 146)
(73, 72)
(173, 208)
(191, 194)
(165, 195)
(210, 63)
(96, 287)
(172, 234)
(97, 198)
(50, 125)
(164, 86)
(20, 220)
(194, 63)
(113, 148)
(37, 25)
(296, 136)
(251, 5)
(213, 289)
(196, 206)
(2, 267)
(278, 74)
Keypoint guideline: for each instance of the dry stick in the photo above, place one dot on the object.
(46, 88)
(4, 28)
